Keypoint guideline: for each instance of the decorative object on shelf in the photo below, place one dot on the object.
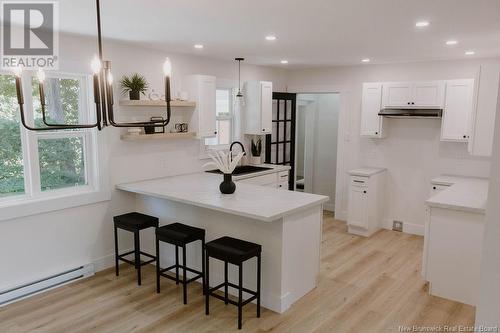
(256, 152)
(224, 163)
(239, 95)
(154, 96)
(182, 96)
(158, 120)
(134, 85)
(181, 127)
(103, 93)
(134, 131)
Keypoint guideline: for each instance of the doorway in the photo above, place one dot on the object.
(317, 122)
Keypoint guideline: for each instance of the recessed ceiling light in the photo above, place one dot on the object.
(365, 60)
(271, 37)
(422, 24)
(284, 61)
(470, 52)
(198, 46)
(451, 42)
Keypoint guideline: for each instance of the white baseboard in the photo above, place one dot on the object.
(409, 228)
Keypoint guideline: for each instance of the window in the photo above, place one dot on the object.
(41, 164)
(224, 110)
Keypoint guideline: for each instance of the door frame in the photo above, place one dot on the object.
(344, 160)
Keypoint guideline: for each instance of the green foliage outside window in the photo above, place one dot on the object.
(61, 159)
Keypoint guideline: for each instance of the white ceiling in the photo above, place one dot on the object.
(309, 33)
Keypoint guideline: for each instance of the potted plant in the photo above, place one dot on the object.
(256, 151)
(134, 85)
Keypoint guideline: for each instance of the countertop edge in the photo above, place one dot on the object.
(455, 207)
(123, 187)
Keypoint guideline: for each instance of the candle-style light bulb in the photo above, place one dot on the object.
(41, 75)
(167, 67)
(18, 71)
(110, 78)
(96, 65)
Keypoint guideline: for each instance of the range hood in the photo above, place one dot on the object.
(411, 113)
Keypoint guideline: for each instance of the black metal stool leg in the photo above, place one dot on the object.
(203, 264)
(258, 284)
(226, 280)
(117, 265)
(207, 282)
(176, 264)
(157, 265)
(137, 250)
(184, 277)
(240, 295)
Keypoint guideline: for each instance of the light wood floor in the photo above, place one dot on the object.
(366, 285)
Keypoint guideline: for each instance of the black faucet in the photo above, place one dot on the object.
(231, 148)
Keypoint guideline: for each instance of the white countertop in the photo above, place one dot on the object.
(466, 194)
(366, 172)
(202, 190)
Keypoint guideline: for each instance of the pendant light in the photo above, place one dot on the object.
(239, 95)
(103, 94)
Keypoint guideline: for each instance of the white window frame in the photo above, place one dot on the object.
(34, 200)
(206, 148)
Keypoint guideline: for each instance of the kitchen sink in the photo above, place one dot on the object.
(243, 169)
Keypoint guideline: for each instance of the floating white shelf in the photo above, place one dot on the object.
(157, 103)
(158, 136)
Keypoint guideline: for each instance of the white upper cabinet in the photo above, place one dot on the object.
(202, 89)
(458, 109)
(397, 94)
(483, 120)
(258, 107)
(427, 94)
(371, 122)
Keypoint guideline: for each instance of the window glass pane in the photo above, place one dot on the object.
(223, 103)
(62, 162)
(62, 99)
(11, 156)
(224, 131)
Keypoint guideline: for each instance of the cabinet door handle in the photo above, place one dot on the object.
(376, 132)
(364, 191)
(412, 103)
(465, 136)
(434, 187)
(263, 130)
(409, 103)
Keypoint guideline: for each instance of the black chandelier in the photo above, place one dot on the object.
(103, 94)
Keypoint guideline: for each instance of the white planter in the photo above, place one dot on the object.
(255, 160)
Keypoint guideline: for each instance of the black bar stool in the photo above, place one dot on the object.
(179, 235)
(234, 251)
(133, 222)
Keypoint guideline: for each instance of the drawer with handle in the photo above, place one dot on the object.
(359, 181)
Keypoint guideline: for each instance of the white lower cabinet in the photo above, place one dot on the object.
(366, 193)
(274, 180)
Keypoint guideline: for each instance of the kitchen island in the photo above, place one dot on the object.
(287, 225)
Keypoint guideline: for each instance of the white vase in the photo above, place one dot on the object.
(255, 160)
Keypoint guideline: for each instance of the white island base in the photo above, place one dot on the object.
(290, 236)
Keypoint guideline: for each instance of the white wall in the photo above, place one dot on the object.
(40, 245)
(488, 309)
(320, 139)
(412, 151)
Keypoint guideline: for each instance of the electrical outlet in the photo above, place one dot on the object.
(397, 225)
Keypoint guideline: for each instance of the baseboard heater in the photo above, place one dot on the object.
(35, 287)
